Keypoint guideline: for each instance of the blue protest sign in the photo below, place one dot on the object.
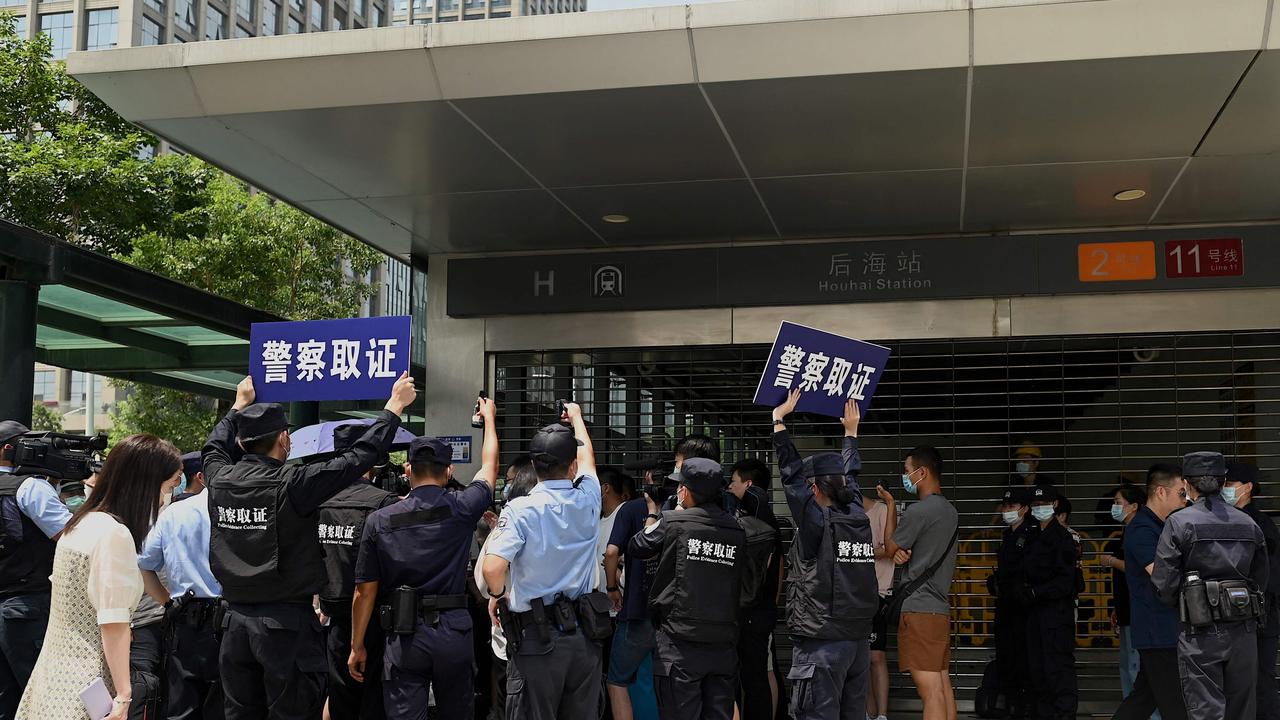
(828, 369)
(353, 359)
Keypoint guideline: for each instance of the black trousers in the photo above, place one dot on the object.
(24, 617)
(555, 679)
(755, 662)
(1157, 687)
(694, 681)
(829, 679)
(1268, 697)
(193, 685)
(272, 662)
(349, 699)
(1011, 657)
(1051, 648)
(1219, 670)
(146, 670)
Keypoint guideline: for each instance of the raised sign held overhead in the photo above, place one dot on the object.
(353, 359)
(827, 369)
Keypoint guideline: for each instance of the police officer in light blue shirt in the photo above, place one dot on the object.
(31, 516)
(178, 547)
(548, 541)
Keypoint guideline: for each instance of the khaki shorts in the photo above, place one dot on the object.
(924, 642)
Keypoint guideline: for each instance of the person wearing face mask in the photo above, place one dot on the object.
(1154, 628)
(1010, 615)
(1126, 502)
(1026, 466)
(924, 540)
(265, 551)
(1211, 562)
(1241, 487)
(1048, 596)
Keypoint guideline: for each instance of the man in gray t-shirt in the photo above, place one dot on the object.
(918, 541)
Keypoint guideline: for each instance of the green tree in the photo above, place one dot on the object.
(73, 168)
(44, 417)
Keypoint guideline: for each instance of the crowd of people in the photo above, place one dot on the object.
(230, 582)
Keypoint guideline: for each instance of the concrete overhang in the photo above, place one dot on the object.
(748, 121)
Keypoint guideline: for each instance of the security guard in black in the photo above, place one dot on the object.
(265, 551)
(342, 521)
(695, 596)
(1212, 546)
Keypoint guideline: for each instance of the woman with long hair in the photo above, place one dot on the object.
(97, 584)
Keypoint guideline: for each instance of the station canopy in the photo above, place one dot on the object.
(106, 317)
(763, 120)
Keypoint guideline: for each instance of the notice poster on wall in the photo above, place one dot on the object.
(826, 368)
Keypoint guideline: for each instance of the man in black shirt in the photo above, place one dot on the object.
(265, 551)
(757, 683)
(1242, 485)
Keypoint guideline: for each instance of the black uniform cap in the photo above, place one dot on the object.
(1043, 493)
(1204, 464)
(429, 449)
(1016, 496)
(554, 443)
(260, 420)
(192, 463)
(11, 430)
(702, 476)
(823, 464)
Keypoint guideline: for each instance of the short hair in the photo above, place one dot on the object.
(698, 446)
(522, 484)
(429, 469)
(262, 445)
(521, 462)
(716, 498)
(755, 470)
(551, 468)
(614, 478)
(1161, 475)
(1132, 494)
(927, 456)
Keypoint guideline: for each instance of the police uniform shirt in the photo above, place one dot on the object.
(39, 501)
(423, 541)
(1050, 563)
(1181, 550)
(178, 547)
(800, 499)
(549, 537)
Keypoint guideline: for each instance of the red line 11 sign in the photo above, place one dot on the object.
(1221, 257)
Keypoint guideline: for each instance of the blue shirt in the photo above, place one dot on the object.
(549, 537)
(423, 541)
(178, 546)
(38, 500)
(635, 592)
(1152, 624)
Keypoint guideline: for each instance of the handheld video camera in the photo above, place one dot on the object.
(58, 455)
(659, 483)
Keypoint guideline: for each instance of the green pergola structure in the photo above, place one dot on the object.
(73, 308)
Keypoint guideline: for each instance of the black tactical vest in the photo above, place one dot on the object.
(342, 519)
(26, 560)
(696, 590)
(834, 595)
(260, 549)
(758, 546)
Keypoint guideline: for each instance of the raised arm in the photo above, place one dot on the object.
(586, 453)
(849, 451)
(221, 450)
(790, 465)
(489, 455)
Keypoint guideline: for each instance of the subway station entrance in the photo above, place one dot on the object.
(1101, 409)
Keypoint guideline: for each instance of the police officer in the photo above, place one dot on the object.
(1011, 615)
(1241, 488)
(265, 551)
(342, 522)
(1211, 563)
(694, 598)
(833, 594)
(548, 541)
(1048, 598)
(31, 516)
(177, 550)
(413, 561)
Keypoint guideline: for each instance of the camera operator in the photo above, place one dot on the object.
(26, 562)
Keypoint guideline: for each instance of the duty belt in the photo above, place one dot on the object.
(407, 606)
(196, 612)
(562, 614)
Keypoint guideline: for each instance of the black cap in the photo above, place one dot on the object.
(430, 449)
(1016, 496)
(554, 443)
(1043, 493)
(192, 464)
(10, 429)
(346, 435)
(260, 420)
(702, 476)
(1204, 464)
(823, 464)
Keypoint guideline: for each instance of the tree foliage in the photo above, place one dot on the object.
(44, 417)
(181, 418)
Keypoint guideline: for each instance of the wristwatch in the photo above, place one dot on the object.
(655, 516)
(612, 589)
(779, 421)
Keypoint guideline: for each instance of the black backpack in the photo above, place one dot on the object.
(761, 541)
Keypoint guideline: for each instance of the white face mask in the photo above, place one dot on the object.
(1042, 512)
(1022, 468)
(1010, 516)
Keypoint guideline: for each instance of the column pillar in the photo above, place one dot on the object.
(18, 302)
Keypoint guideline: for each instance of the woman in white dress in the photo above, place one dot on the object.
(96, 583)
